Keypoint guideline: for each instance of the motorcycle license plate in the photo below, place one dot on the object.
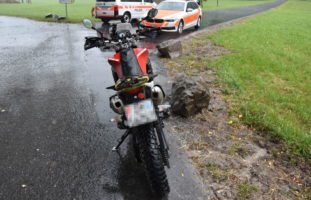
(140, 113)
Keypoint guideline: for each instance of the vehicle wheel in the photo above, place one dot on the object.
(180, 28)
(198, 24)
(152, 159)
(136, 149)
(105, 21)
(126, 18)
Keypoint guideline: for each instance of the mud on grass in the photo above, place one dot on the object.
(235, 161)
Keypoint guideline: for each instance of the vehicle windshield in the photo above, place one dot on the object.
(171, 6)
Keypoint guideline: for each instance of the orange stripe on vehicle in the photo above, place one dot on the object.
(176, 23)
(131, 7)
(143, 6)
(110, 8)
(115, 7)
(121, 7)
(150, 24)
(104, 15)
(191, 18)
(164, 13)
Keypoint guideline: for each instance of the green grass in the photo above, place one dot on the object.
(82, 8)
(40, 8)
(245, 190)
(268, 75)
(222, 4)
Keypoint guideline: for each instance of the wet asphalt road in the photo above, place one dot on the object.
(56, 138)
(55, 134)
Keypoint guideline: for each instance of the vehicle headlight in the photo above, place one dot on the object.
(170, 20)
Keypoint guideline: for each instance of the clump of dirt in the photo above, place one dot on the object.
(235, 161)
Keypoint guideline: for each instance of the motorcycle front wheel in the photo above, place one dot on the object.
(152, 159)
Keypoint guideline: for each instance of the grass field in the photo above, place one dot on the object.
(268, 74)
(82, 8)
(40, 8)
(222, 4)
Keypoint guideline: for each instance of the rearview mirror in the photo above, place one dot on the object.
(88, 24)
(189, 9)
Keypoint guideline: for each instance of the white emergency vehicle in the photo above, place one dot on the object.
(126, 10)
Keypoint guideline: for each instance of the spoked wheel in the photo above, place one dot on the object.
(152, 160)
(198, 24)
(180, 28)
(126, 18)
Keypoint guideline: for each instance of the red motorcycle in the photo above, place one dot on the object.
(138, 102)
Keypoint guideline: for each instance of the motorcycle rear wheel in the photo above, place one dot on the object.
(152, 159)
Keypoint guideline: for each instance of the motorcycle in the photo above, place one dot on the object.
(138, 101)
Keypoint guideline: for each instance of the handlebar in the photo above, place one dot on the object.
(105, 43)
(120, 39)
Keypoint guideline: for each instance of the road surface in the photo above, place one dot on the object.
(56, 137)
(55, 133)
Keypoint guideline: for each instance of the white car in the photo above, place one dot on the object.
(126, 10)
(175, 16)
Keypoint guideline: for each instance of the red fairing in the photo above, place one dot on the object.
(142, 57)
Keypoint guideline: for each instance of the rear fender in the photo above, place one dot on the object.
(142, 55)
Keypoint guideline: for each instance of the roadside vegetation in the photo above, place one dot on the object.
(38, 9)
(222, 4)
(267, 75)
(81, 9)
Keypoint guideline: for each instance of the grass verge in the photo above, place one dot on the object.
(267, 75)
(38, 9)
(222, 4)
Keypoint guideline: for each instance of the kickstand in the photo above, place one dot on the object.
(121, 140)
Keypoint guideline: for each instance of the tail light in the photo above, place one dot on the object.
(141, 95)
(116, 10)
(134, 90)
